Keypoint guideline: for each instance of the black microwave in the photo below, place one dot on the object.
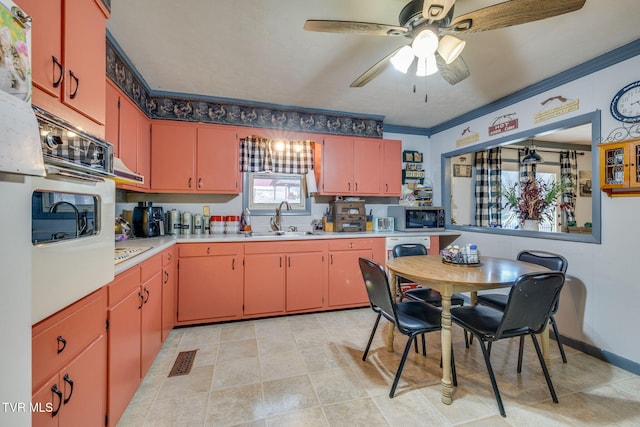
(417, 218)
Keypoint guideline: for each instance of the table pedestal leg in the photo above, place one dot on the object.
(447, 388)
(544, 343)
(392, 284)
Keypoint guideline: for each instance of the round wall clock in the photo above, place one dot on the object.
(625, 105)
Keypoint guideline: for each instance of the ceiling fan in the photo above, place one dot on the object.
(431, 27)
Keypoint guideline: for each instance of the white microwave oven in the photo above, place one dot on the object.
(417, 218)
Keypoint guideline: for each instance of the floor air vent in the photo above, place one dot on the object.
(183, 363)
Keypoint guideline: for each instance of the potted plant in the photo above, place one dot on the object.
(532, 200)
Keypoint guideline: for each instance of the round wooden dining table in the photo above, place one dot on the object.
(430, 271)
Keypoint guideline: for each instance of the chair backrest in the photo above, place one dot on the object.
(550, 260)
(409, 249)
(531, 301)
(377, 284)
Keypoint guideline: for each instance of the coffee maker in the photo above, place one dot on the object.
(148, 220)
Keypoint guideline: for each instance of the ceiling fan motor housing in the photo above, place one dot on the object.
(411, 16)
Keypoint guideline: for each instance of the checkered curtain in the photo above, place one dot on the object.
(259, 154)
(488, 166)
(525, 170)
(569, 179)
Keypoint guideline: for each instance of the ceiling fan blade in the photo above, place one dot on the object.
(436, 9)
(455, 72)
(374, 71)
(352, 27)
(510, 13)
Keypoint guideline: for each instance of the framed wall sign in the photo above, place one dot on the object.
(463, 171)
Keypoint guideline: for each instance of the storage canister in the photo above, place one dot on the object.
(232, 224)
(217, 224)
(187, 223)
(197, 224)
(175, 226)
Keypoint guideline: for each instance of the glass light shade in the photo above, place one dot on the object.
(432, 66)
(427, 66)
(450, 48)
(425, 44)
(422, 67)
(402, 60)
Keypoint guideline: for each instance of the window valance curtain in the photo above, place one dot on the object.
(259, 154)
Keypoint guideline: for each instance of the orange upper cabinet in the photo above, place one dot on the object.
(351, 166)
(217, 162)
(391, 167)
(186, 157)
(129, 130)
(69, 52)
(173, 147)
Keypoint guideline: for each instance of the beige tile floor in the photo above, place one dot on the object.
(306, 370)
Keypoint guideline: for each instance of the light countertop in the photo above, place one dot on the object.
(159, 244)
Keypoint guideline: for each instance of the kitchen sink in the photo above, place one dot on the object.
(284, 233)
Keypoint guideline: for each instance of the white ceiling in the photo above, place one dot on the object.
(257, 50)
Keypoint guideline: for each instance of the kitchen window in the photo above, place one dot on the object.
(265, 191)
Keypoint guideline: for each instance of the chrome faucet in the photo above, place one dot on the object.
(276, 220)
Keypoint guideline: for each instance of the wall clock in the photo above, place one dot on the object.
(625, 105)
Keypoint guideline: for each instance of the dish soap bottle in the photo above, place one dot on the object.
(245, 220)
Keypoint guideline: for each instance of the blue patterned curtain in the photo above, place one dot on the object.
(488, 165)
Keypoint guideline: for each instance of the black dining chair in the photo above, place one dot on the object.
(411, 318)
(529, 306)
(428, 295)
(553, 262)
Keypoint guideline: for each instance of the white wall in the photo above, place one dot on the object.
(602, 281)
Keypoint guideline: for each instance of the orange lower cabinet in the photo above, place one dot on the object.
(264, 283)
(306, 278)
(209, 282)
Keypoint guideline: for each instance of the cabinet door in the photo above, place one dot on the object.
(218, 161)
(173, 150)
(391, 168)
(366, 161)
(143, 148)
(112, 118)
(84, 387)
(305, 281)
(128, 135)
(48, 401)
(337, 166)
(84, 58)
(209, 287)
(346, 286)
(46, 43)
(124, 353)
(168, 299)
(151, 322)
(264, 283)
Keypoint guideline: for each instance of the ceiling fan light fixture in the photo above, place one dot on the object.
(421, 71)
(402, 60)
(450, 48)
(425, 43)
(432, 66)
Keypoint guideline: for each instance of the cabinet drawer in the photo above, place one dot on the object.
(61, 337)
(149, 267)
(123, 285)
(208, 249)
(349, 244)
(168, 256)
